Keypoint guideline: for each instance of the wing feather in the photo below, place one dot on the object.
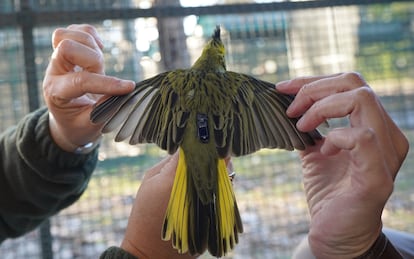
(259, 119)
(252, 115)
(136, 112)
(146, 123)
(149, 114)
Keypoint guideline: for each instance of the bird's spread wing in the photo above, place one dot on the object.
(149, 114)
(249, 114)
(257, 119)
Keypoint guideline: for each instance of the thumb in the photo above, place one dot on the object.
(166, 166)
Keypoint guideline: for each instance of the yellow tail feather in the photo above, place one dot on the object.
(176, 217)
(226, 207)
(220, 217)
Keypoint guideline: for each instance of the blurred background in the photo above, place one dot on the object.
(271, 40)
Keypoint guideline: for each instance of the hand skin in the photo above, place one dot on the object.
(348, 175)
(143, 234)
(73, 82)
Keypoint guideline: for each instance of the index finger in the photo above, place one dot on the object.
(73, 85)
(312, 90)
(293, 86)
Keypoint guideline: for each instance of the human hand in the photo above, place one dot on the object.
(74, 81)
(349, 174)
(143, 234)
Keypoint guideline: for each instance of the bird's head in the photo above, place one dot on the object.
(212, 57)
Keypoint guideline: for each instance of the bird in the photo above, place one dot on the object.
(208, 114)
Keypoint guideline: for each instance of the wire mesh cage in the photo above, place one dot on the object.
(273, 41)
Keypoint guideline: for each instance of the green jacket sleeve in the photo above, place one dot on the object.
(37, 178)
(115, 252)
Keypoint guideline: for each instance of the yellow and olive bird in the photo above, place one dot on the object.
(208, 114)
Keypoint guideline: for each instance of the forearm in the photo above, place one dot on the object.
(37, 178)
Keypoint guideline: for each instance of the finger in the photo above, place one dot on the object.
(336, 140)
(170, 168)
(365, 112)
(313, 91)
(84, 38)
(88, 29)
(229, 164)
(69, 54)
(167, 165)
(73, 85)
(364, 148)
(294, 85)
(156, 168)
(360, 104)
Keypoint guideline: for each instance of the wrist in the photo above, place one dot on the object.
(78, 147)
(381, 249)
(88, 147)
(340, 243)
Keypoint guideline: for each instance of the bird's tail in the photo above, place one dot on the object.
(193, 226)
(226, 223)
(176, 217)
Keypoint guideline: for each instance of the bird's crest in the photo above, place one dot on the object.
(212, 57)
(216, 34)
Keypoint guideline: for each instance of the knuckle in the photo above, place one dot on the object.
(303, 80)
(57, 33)
(47, 88)
(90, 32)
(56, 100)
(99, 57)
(367, 135)
(58, 36)
(355, 78)
(65, 45)
(51, 94)
(78, 80)
(85, 33)
(87, 28)
(88, 38)
(404, 146)
(97, 61)
(72, 27)
(317, 111)
(304, 90)
(365, 95)
(80, 27)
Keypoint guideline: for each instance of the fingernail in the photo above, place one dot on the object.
(290, 112)
(299, 123)
(127, 83)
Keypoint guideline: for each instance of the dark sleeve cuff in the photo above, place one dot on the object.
(114, 252)
(381, 249)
